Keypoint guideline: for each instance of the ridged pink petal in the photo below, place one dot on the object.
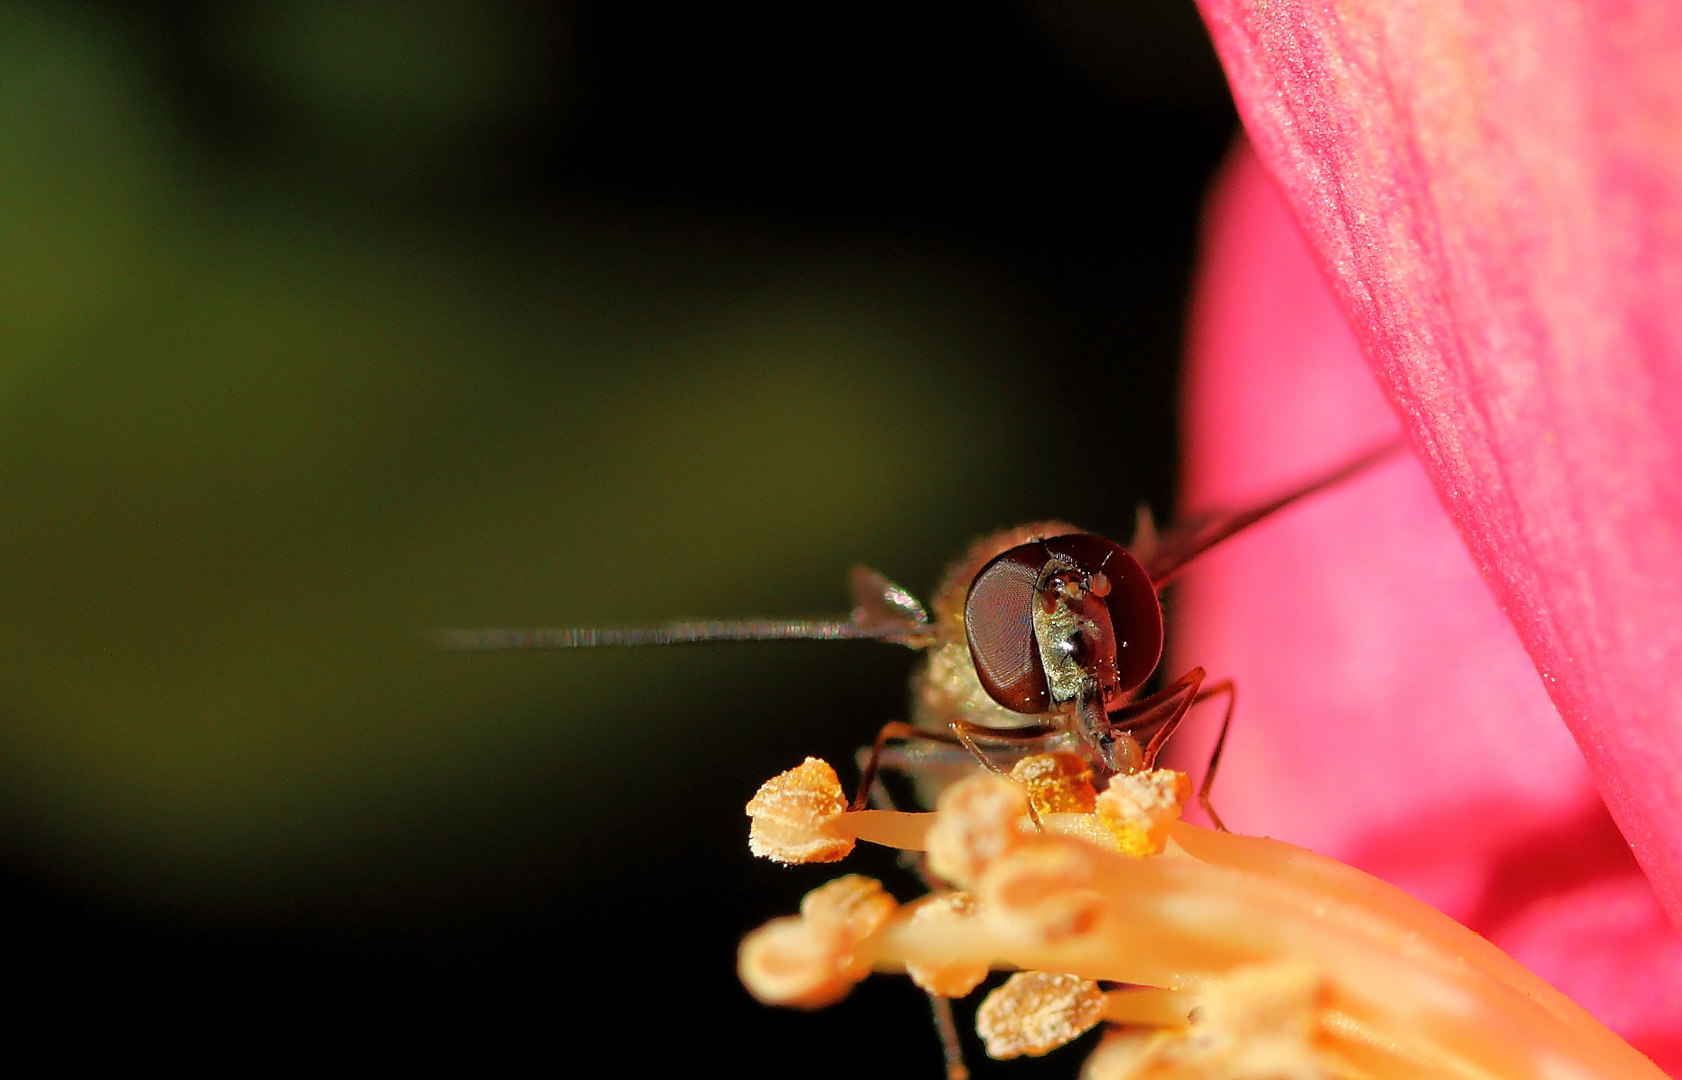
(1495, 189)
(1387, 713)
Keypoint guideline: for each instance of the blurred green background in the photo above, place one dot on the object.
(324, 323)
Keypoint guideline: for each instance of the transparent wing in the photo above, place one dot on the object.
(677, 633)
(879, 604)
(1165, 554)
(882, 612)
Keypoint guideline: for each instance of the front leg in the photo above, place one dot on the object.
(1160, 715)
(1153, 719)
(960, 734)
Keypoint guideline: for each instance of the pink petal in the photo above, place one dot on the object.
(1496, 191)
(1387, 713)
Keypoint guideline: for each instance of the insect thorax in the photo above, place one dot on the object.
(946, 689)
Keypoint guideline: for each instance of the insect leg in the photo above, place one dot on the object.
(948, 1031)
(966, 733)
(1225, 686)
(1154, 718)
(1164, 710)
(894, 729)
(871, 761)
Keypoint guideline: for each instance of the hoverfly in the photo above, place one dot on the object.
(1042, 636)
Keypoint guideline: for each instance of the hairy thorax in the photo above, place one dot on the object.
(946, 688)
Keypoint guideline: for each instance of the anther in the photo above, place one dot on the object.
(978, 821)
(811, 960)
(1139, 808)
(1035, 1012)
(801, 816)
(795, 814)
(1058, 783)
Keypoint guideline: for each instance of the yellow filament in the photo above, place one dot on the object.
(1394, 966)
(1148, 1005)
(1356, 978)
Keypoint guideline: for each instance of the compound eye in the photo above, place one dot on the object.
(1135, 612)
(999, 618)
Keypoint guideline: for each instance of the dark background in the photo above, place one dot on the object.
(327, 322)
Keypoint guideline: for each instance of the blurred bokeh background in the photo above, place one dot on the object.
(324, 323)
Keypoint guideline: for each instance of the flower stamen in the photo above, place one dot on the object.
(1241, 957)
(1035, 1012)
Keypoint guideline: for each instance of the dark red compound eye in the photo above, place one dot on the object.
(999, 617)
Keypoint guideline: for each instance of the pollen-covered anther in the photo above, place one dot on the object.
(796, 815)
(1035, 1012)
(1041, 893)
(1058, 783)
(954, 980)
(1139, 809)
(811, 960)
(1259, 1020)
(977, 821)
